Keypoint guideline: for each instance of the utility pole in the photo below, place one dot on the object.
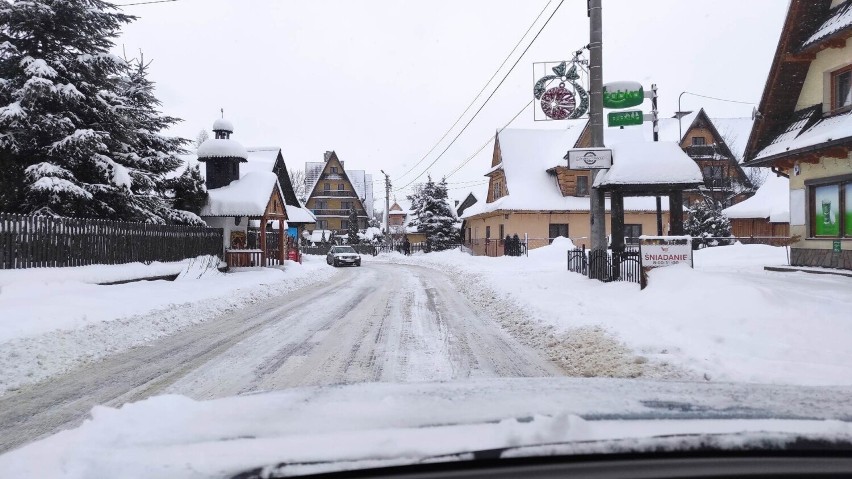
(387, 202)
(656, 125)
(597, 213)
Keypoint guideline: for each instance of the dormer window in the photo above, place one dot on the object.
(334, 169)
(698, 141)
(841, 88)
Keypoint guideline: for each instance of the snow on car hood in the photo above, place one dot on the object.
(364, 425)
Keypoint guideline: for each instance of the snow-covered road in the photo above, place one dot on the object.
(380, 322)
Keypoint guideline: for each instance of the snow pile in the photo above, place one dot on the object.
(92, 274)
(726, 320)
(771, 201)
(222, 148)
(49, 325)
(223, 125)
(247, 196)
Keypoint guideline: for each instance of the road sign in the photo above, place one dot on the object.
(593, 159)
(623, 94)
(625, 118)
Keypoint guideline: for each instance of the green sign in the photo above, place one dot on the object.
(836, 246)
(623, 94)
(625, 118)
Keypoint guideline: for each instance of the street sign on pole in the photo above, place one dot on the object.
(625, 118)
(623, 94)
(589, 159)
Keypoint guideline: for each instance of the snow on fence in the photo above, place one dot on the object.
(43, 241)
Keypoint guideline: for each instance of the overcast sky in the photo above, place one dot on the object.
(380, 81)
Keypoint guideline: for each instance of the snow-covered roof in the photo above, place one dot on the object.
(247, 196)
(797, 136)
(771, 201)
(317, 235)
(839, 18)
(223, 124)
(260, 159)
(297, 214)
(649, 163)
(528, 154)
(222, 148)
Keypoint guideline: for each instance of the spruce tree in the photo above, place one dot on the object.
(189, 190)
(353, 226)
(80, 126)
(434, 216)
(705, 220)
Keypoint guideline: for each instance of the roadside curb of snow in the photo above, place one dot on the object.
(29, 360)
(587, 351)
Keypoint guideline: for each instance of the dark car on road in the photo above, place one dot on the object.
(343, 256)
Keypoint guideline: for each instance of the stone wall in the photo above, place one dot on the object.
(821, 257)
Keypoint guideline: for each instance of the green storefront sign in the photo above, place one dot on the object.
(623, 94)
(625, 118)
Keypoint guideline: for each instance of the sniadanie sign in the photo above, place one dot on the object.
(589, 159)
(661, 251)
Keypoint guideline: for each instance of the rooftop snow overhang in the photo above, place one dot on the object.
(832, 32)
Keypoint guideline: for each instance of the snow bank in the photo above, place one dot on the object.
(726, 320)
(49, 327)
(93, 274)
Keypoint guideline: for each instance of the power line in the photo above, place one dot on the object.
(478, 94)
(491, 95)
(721, 99)
(456, 169)
(144, 3)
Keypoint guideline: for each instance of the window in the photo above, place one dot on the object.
(322, 224)
(498, 190)
(340, 187)
(830, 212)
(326, 187)
(502, 232)
(698, 141)
(582, 188)
(344, 224)
(632, 233)
(334, 169)
(487, 232)
(841, 88)
(346, 205)
(556, 230)
(321, 204)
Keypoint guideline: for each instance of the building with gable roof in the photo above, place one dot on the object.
(235, 199)
(332, 193)
(804, 129)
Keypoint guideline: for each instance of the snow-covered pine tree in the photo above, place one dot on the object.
(434, 216)
(190, 193)
(705, 220)
(79, 124)
(352, 231)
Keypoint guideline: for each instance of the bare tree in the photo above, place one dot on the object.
(756, 175)
(201, 138)
(297, 178)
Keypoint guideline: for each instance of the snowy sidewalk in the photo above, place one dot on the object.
(726, 320)
(51, 323)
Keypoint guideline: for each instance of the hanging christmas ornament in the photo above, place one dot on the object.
(560, 103)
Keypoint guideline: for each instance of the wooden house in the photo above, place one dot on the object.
(804, 129)
(332, 195)
(765, 217)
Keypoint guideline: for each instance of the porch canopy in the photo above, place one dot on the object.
(644, 168)
(256, 196)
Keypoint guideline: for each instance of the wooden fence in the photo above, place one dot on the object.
(42, 241)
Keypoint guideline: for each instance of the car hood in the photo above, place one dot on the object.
(310, 430)
(346, 255)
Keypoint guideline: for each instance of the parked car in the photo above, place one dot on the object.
(343, 255)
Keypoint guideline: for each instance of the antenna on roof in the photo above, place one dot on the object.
(222, 110)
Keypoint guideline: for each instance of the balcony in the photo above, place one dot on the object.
(335, 194)
(717, 182)
(701, 151)
(361, 214)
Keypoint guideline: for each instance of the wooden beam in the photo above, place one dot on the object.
(838, 152)
(801, 57)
